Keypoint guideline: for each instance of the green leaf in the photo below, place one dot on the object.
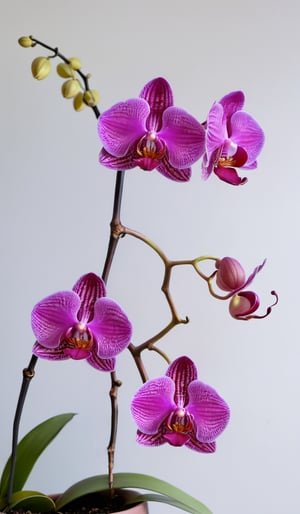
(31, 500)
(167, 492)
(29, 450)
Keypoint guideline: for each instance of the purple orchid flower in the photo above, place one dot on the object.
(150, 132)
(179, 409)
(81, 324)
(244, 304)
(233, 140)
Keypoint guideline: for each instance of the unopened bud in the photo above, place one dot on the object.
(78, 102)
(40, 68)
(70, 88)
(91, 97)
(64, 70)
(25, 41)
(75, 63)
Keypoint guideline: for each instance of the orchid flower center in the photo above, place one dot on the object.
(231, 155)
(180, 421)
(151, 150)
(78, 341)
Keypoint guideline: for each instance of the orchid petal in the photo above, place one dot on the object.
(150, 439)
(101, 364)
(55, 354)
(52, 316)
(232, 102)
(216, 132)
(193, 444)
(158, 94)
(243, 304)
(254, 273)
(210, 411)
(122, 125)
(208, 165)
(184, 136)
(230, 176)
(176, 438)
(89, 288)
(172, 173)
(182, 371)
(247, 133)
(118, 163)
(110, 327)
(152, 403)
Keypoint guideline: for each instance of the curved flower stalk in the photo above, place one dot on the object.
(150, 132)
(179, 409)
(233, 140)
(81, 324)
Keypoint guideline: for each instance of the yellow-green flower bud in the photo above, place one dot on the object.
(40, 68)
(91, 97)
(64, 70)
(78, 102)
(70, 88)
(75, 63)
(25, 41)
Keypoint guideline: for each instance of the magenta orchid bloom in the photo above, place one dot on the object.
(179, 409)
(81, 324)
(233, 140)
(150, 132)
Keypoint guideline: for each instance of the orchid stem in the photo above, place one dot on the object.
(115, 384)
(28, 374)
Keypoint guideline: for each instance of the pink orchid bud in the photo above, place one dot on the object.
(230, 275)
(243, 304)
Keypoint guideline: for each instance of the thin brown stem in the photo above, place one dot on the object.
(28, 374)
(113, 393)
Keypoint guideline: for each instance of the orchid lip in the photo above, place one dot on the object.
(78, 337)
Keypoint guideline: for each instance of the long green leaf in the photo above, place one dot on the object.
(29, 450)
(167, 492)
(31, 500)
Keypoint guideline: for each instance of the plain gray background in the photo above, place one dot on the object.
(55, 210)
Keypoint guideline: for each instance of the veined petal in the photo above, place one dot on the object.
(232, 102)
(247, 133)
(55, 354)
(118, 163)
(52, 316)
(208, 165)
(89, 288)
(101, 364)
(152, 403)
(182, 371)
(193, 444)
(172, 173)
(254, 273)
(210, 411)
(216, 132)
(122, 125)
(158, 94)
(110, 327)
(184, 137)
(230, 176)
(150, 439)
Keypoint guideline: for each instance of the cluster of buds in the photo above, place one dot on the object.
(69, 69)
(231, 278)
